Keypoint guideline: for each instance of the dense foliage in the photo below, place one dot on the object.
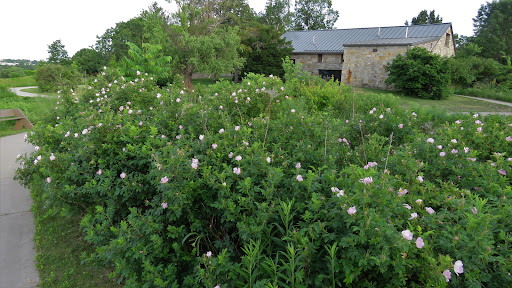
(53, 77)
(254, 185)
(420, 74)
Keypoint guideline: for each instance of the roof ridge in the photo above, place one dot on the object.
(404, 26)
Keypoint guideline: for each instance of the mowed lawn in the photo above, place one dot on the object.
(454, 103)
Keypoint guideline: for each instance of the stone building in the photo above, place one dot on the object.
(358, 56)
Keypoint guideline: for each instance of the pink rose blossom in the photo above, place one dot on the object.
(458, 267)
(474, 210)
(164, 180)
(164, 205)
(48, 179)
(122, 175)
(413, 216)
(502, 172)
(508, 138)
(420, 178)
(221, 131)
(366, 180)
(401, 192)
(209, 254)
(238, 158)
(400, 126)
(407, 206)
(52, 157)
(214, 146)
(448, 275)
(268, 159)
(442, 154)
(430, 140)
(237, 170)
(420, 243)
(352, 210)
(407, 234)
(195, 163)
(430, 210)
(299, 178)
(99, 172)
(297, 165)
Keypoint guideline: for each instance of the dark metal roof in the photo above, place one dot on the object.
(334, 41)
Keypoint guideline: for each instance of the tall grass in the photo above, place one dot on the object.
(18, 82)
(486, 92)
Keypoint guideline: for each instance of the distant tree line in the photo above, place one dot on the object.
(212, 37)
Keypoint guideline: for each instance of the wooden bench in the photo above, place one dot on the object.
(16, 114)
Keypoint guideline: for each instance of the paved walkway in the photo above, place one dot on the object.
(17, 266)
(17, 91)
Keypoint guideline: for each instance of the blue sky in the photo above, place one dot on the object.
(27, 27)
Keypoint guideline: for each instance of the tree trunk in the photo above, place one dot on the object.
(187, 75)
(236, 75)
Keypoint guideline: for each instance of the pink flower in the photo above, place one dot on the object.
(508, 138)
(52, 157)
(230, 155)
(338, 192)
(214, 146)
(195, 163)
(99, 172)
(430, 210)
(407, 206)
(366, 180)
(201, 137)
(209, 254)
(400, 126)
(164, 205)
(238, 158)
(474, 210)
(502, 172)
(419, 201)
(122, 175)
(455, 151)
(458, 267)
(420, 243)
(237, 170)
(453, 140)
(466, 149)
(442, 154)
(293, 110)
(430, 140)
(164, 180)
(297, 165)
(48, 179)
(221, 131)
(299, 178)
(237, 128)
(401, 192)
(413, 216)
(448, 275)
(420, 178)
(268, 159)
(352, 210)
(407, 234)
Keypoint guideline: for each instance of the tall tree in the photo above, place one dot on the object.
(89, 60)
(492, 29)
(58, 53)
(425, 17)
(265, 50)
(314, 15)
(199, 43)
(277, 14)
(113, 43)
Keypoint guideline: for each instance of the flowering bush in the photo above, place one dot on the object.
(238, 185)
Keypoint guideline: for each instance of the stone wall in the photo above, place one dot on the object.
(365, 66)
(311, 64)
(443, 47)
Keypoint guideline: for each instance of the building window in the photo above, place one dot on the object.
(341, 58)
(375, 50)
(319, 56)
(448, 39)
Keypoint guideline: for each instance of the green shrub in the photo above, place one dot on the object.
(420, 74)
(54, 77)
(240, 185)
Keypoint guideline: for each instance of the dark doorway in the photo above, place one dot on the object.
(328, 74)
